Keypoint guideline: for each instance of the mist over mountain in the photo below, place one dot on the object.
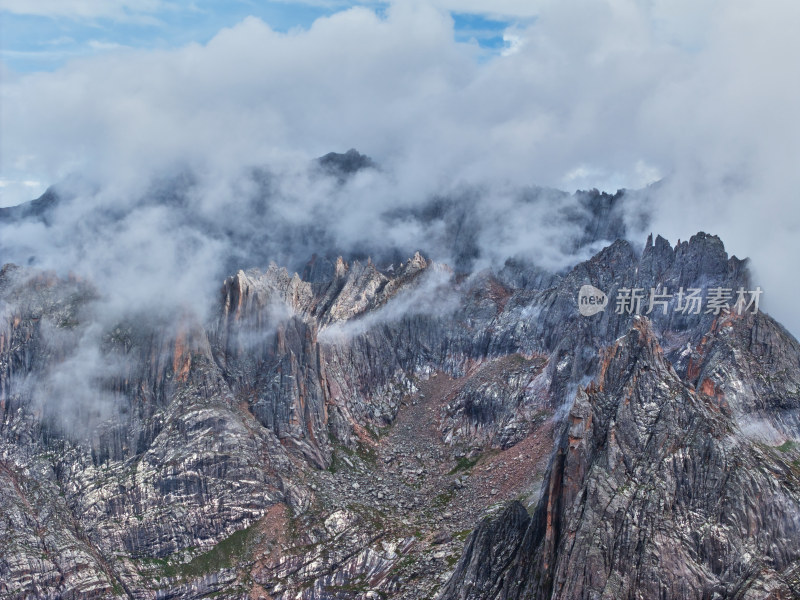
(278, 395)
(168, 247)
(607, 95)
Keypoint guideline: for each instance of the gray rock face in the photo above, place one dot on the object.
(339, 435)
(180, 464)
(653, 491)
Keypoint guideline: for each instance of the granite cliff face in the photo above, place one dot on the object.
(401, 431)
(653, 491)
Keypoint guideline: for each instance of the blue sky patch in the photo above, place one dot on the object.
(44, 43)
(487, 33)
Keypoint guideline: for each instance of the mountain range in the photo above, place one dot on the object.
(359, 423)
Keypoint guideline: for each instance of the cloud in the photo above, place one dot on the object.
(84, 9)
(513, 43)
(74, 394)
(496, 8)
(599, 94)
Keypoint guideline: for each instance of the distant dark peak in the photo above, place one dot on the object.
(595, 193)
(39, 209)
(620, 250)
(319, 269)
(342, 165)
(604, 217)
(701, 237)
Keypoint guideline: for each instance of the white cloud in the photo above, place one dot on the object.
(85, 9)
(100, 45)
(493, 8)
(13, 191)
(513, 43)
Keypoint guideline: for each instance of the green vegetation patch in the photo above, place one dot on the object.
(226, 554)
(464, 464)
(223, 555)
(443, 499)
